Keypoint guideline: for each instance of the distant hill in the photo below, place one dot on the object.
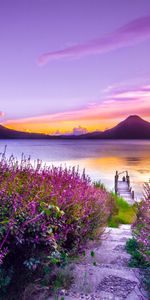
(6, 133)
(133, 127)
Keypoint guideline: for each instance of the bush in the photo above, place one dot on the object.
(141, 229)
(45, 213)
(137, 259)
(139, 246)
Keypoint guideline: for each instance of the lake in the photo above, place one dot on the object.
(100, 158)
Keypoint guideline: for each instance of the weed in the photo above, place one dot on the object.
(99, 184)
(92, 253)
(138, 261)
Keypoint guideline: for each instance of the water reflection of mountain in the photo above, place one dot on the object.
(134, 160)
(143, 171)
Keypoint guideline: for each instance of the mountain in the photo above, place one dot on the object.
(133, 127)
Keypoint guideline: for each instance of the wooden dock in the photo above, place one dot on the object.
(123, 188)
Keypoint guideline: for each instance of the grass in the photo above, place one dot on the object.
(138, 261)
(99, 184)
(125, 213)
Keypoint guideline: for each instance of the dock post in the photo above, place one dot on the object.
(128, 178)
(116, 181)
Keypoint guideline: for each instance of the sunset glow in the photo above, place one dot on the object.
(96, 116)
(68, 70)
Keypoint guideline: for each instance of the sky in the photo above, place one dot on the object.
(73, 65)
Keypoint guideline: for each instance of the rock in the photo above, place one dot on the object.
(118, 286)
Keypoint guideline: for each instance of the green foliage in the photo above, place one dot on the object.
(125, 213)
(92, 253)
(83, 253)
(137, 259)
(131, 246)
(5, 279)
(146, 279)
(99, 184)
(32, 263)
(62, 279)
(139, 246)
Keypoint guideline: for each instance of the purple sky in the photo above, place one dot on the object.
(88, 47)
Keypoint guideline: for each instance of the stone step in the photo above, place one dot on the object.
(127, 197)
(109, 278)
(125, 194)
(109, 257)
(103, 283)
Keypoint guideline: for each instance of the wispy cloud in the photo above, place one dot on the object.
(2, 114)
(132, 33)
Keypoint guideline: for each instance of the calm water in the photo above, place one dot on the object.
(100, 158)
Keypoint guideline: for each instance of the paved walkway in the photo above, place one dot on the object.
(106, 276)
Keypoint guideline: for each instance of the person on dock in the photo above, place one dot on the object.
(123, 178)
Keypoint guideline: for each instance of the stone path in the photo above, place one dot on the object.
(105, 274)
